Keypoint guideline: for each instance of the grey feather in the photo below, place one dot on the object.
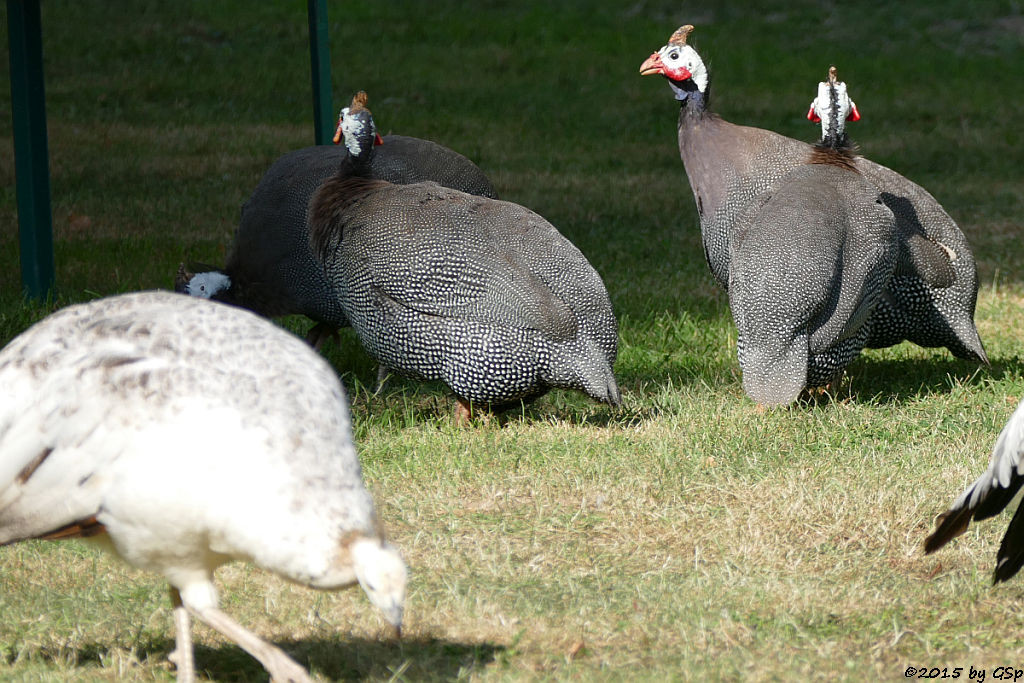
(272, 270)
(481, 294)
(809, 264)
(729, 166)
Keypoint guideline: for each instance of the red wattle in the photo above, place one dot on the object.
(680, 73)
(811, 116)
(854, 115)
(377, 139)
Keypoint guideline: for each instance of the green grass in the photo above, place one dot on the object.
(687, 535)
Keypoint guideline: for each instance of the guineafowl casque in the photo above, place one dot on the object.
(931, 297)
(270, 268)
(809, 261)
(988, 496)
(483, 295)
(183, 434)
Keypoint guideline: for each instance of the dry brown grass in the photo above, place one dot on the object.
(686, 536)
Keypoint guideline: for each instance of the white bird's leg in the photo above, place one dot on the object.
(281, 667)
(182, 657)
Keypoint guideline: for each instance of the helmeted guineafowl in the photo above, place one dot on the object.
(270, 268)
(809, 261)
(184, 434)
(481, 294)
(988, 496)
(931, 297)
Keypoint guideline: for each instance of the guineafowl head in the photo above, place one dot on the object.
(682, 66)
(833, 108)
(356, 126)
(206, 284)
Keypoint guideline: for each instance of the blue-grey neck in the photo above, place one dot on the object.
(689, 96)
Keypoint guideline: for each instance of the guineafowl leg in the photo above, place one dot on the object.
(181, 657)
(463, 412)
(320, 333)
(382, 377)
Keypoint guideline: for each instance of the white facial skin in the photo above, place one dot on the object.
(352, 128)
(676, 58)
(205, 285)
(822, 106)
(382, 573)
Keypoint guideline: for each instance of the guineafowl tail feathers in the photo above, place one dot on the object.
(603, 388)
(970, 346)
(585, 366)
(774, 378)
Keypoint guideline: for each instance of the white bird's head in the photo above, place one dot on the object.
(382, 573)
(680, 64)
(833, 108)
(356, 126)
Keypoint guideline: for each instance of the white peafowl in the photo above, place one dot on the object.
(182, 434)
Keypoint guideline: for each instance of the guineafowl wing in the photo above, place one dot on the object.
(869, 255)
(926, 259)
(405, 160)
(937, 276)
(271, 264)
(448, 254)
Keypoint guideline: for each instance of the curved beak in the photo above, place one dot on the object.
(652, 65)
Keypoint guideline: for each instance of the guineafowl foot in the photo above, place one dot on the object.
(827, 392)
(320, 333)
(834, 384)
(466, 412)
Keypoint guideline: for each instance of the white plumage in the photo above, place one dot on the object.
(189, 434)
(988, 496)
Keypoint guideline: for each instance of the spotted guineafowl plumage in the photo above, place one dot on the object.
(483, 295)
(930, 299)
(989, 495)
(809, 262)
(270, 268)
(183, 434)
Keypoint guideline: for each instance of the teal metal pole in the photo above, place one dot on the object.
(31, 157)
(320, 62)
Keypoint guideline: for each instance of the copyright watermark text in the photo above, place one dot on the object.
(996, 673)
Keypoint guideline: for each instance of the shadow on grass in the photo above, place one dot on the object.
(907, 379)
(647, 391)
(335, 659)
